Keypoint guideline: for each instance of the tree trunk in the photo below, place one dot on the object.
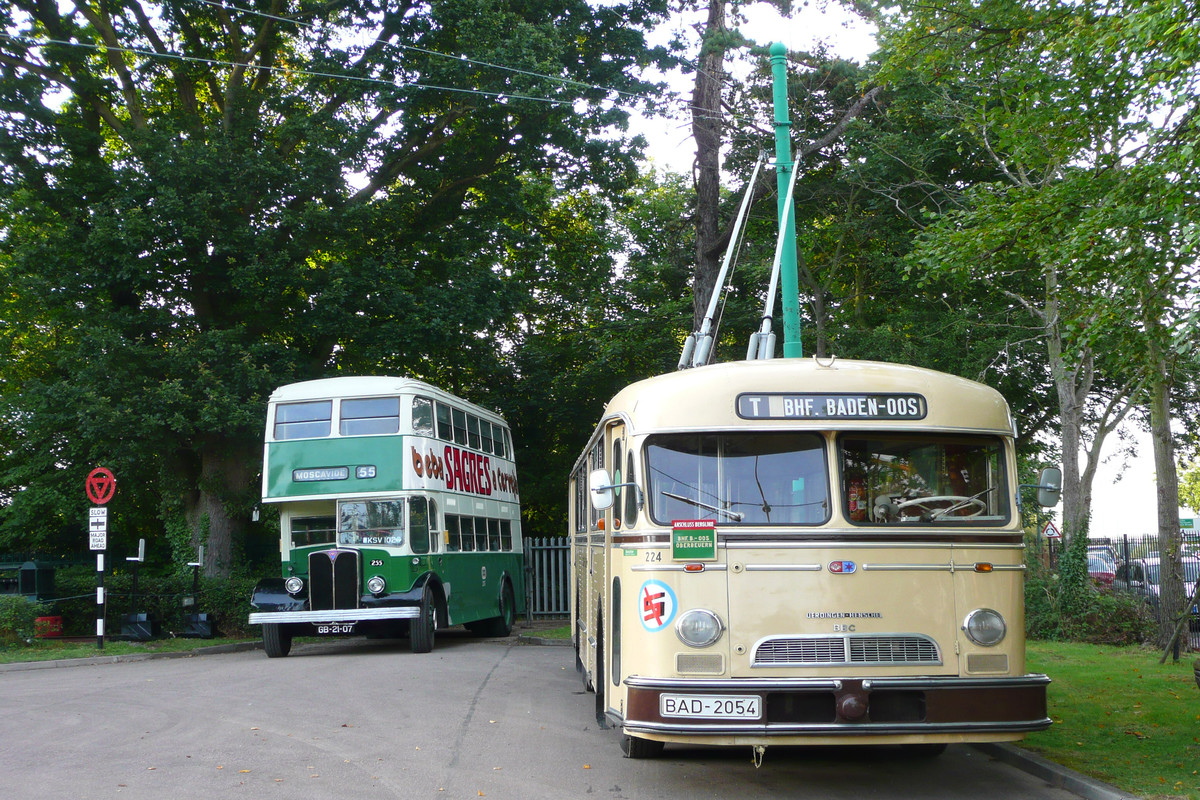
(1170, 537)
(217, 512)
(706, 128)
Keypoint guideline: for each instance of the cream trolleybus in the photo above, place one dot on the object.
(802, 551)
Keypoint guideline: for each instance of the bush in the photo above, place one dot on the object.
(225, 600)
(17, 615)
(1096, 617)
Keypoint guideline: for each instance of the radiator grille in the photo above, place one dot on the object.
(333, 580)
(801, 651)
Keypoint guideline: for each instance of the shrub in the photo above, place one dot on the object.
(1094, 616)
(17, 615)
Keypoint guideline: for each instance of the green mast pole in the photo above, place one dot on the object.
(789, 281)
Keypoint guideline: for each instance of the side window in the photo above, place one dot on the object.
(435, 530)
(485, 432)
(466, 527)
(631, 508)
(473, 432)
(445, 429)
(418, 524)
(308, 420)
(460, 427)
(370, 415)
(616, 475)
(313, 530)
(422, 416)
(481, 534)
(493, 535)
(452, 533)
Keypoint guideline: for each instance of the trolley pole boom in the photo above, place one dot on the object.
(789, 281)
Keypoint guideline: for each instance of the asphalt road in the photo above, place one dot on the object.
(353, 718)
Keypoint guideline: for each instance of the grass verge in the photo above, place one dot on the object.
(52, 650)
(1120, 717)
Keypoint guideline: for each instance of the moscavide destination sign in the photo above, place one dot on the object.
(806, 405)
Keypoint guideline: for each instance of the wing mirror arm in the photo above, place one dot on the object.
(601, 487)
(1049, 488)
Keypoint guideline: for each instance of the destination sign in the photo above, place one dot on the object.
(321, 474)
(804, 405)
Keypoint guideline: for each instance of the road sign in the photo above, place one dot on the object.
(101, 485)
(1051, 532)
(98, 528)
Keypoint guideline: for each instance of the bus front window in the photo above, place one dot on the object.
(378, 522)
(738, 479)
(923, 478)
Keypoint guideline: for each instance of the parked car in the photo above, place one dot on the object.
(1140, 576)
(1101, 570)
(1105, 551)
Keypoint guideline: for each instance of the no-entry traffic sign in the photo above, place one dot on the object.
(101, 485)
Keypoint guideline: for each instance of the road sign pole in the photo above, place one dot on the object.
(100, 486)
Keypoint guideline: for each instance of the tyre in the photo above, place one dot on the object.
(277, 640)
(424, 627)
(503, 624)
(635, 747)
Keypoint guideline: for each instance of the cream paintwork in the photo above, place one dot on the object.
(769, 588)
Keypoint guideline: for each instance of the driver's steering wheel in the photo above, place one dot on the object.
(955, 503)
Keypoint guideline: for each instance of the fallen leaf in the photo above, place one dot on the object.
(587, 766)
(243, 770)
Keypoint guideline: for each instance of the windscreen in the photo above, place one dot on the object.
(379, 522)
(923, 478)
(738, 479)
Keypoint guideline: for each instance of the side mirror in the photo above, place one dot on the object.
(1049, 487)
(600, 489)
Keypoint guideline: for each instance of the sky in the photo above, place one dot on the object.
(1124, 501)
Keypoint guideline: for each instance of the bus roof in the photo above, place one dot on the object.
(370, 386)
(707, 397)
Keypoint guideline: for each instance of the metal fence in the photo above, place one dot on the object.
(547, 572)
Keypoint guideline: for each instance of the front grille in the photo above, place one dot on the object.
(333, 580)
(861, 650)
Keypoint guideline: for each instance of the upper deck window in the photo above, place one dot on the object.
(923, 478)
(307, 420)
(738, 479)
(370, 415)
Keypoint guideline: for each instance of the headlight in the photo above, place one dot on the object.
(699, 628)
(985, 627)
(376, 585)
(294, 585)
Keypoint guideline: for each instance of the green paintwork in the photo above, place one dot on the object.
(789, 279)
(385, 453)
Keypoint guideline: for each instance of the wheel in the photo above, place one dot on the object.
(424, 627)
(277, 640)
(503, 624)
(635, 747)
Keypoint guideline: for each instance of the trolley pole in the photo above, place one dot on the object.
(789, 281)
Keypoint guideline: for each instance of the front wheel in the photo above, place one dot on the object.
(277, 640)
(424, 627)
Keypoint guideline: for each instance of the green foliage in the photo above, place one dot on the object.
(193, 234)
(1056, 612)
(226, 600)
(17, 616)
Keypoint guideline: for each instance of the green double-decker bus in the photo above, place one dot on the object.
(398, 514)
